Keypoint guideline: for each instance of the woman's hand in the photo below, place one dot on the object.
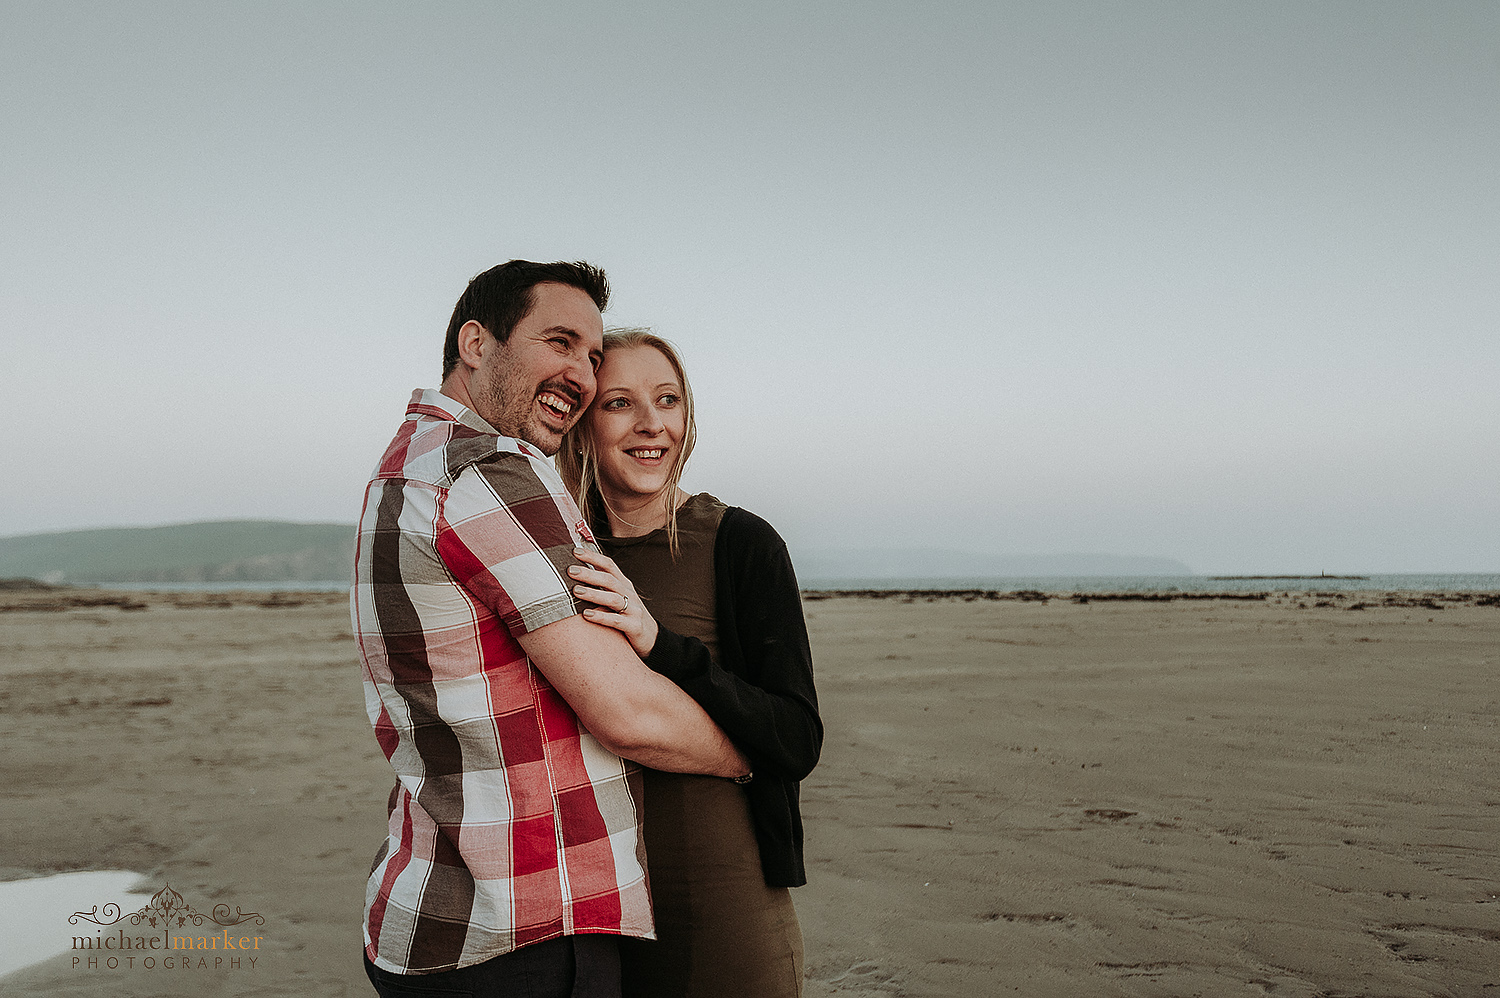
(618, 604)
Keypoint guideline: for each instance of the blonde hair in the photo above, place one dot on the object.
(578, 462)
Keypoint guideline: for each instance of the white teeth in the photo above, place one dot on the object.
(647, 453)
(555, 402)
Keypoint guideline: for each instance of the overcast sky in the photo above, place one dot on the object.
(1209, 281)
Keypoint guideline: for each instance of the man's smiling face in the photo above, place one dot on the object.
(537, 384)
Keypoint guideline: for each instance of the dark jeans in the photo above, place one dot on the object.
(567, 967)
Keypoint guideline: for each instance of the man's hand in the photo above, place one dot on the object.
(634, 712)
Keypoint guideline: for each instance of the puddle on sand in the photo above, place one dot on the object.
(34, 913)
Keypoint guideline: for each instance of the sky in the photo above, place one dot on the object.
(1212, 281)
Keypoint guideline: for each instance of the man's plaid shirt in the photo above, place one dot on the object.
(509, 823)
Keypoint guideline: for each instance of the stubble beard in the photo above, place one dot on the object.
(513, 404)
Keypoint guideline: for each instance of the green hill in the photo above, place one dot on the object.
(224, 551)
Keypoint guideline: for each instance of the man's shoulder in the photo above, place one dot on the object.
(526, 486)
(440, 439)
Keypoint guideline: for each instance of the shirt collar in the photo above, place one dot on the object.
(432, 403)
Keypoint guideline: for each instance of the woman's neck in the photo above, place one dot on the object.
(634, 516)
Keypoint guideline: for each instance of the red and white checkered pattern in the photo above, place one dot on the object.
(509, 823)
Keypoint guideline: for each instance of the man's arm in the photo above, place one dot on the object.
(634, 712)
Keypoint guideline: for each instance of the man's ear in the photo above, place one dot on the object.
(473, 339)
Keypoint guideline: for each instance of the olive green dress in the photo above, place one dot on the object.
(720, 930)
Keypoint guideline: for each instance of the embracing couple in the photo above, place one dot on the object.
(519, 677)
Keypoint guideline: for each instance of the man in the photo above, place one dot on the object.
(514, 858)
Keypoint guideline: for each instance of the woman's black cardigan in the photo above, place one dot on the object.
(761, 691)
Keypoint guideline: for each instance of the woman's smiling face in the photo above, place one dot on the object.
(636, 423)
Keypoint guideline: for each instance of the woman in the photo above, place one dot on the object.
(706, 595)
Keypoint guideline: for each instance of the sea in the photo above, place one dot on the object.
(1461, 583)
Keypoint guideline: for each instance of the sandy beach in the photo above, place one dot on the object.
(1290, 796)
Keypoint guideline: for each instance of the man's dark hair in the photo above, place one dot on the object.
(502, 296)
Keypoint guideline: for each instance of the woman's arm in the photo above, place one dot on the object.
(763, 695)
(764, 699)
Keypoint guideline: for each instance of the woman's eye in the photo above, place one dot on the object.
(668, 400)
(618, 403)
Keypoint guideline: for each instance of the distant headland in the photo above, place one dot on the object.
(216, 552)
(1297, 578)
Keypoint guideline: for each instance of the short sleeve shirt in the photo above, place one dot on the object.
(509, 823)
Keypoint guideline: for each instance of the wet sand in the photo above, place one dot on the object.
(1030, 796)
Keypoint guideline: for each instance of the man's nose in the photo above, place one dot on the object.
(580, 375)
